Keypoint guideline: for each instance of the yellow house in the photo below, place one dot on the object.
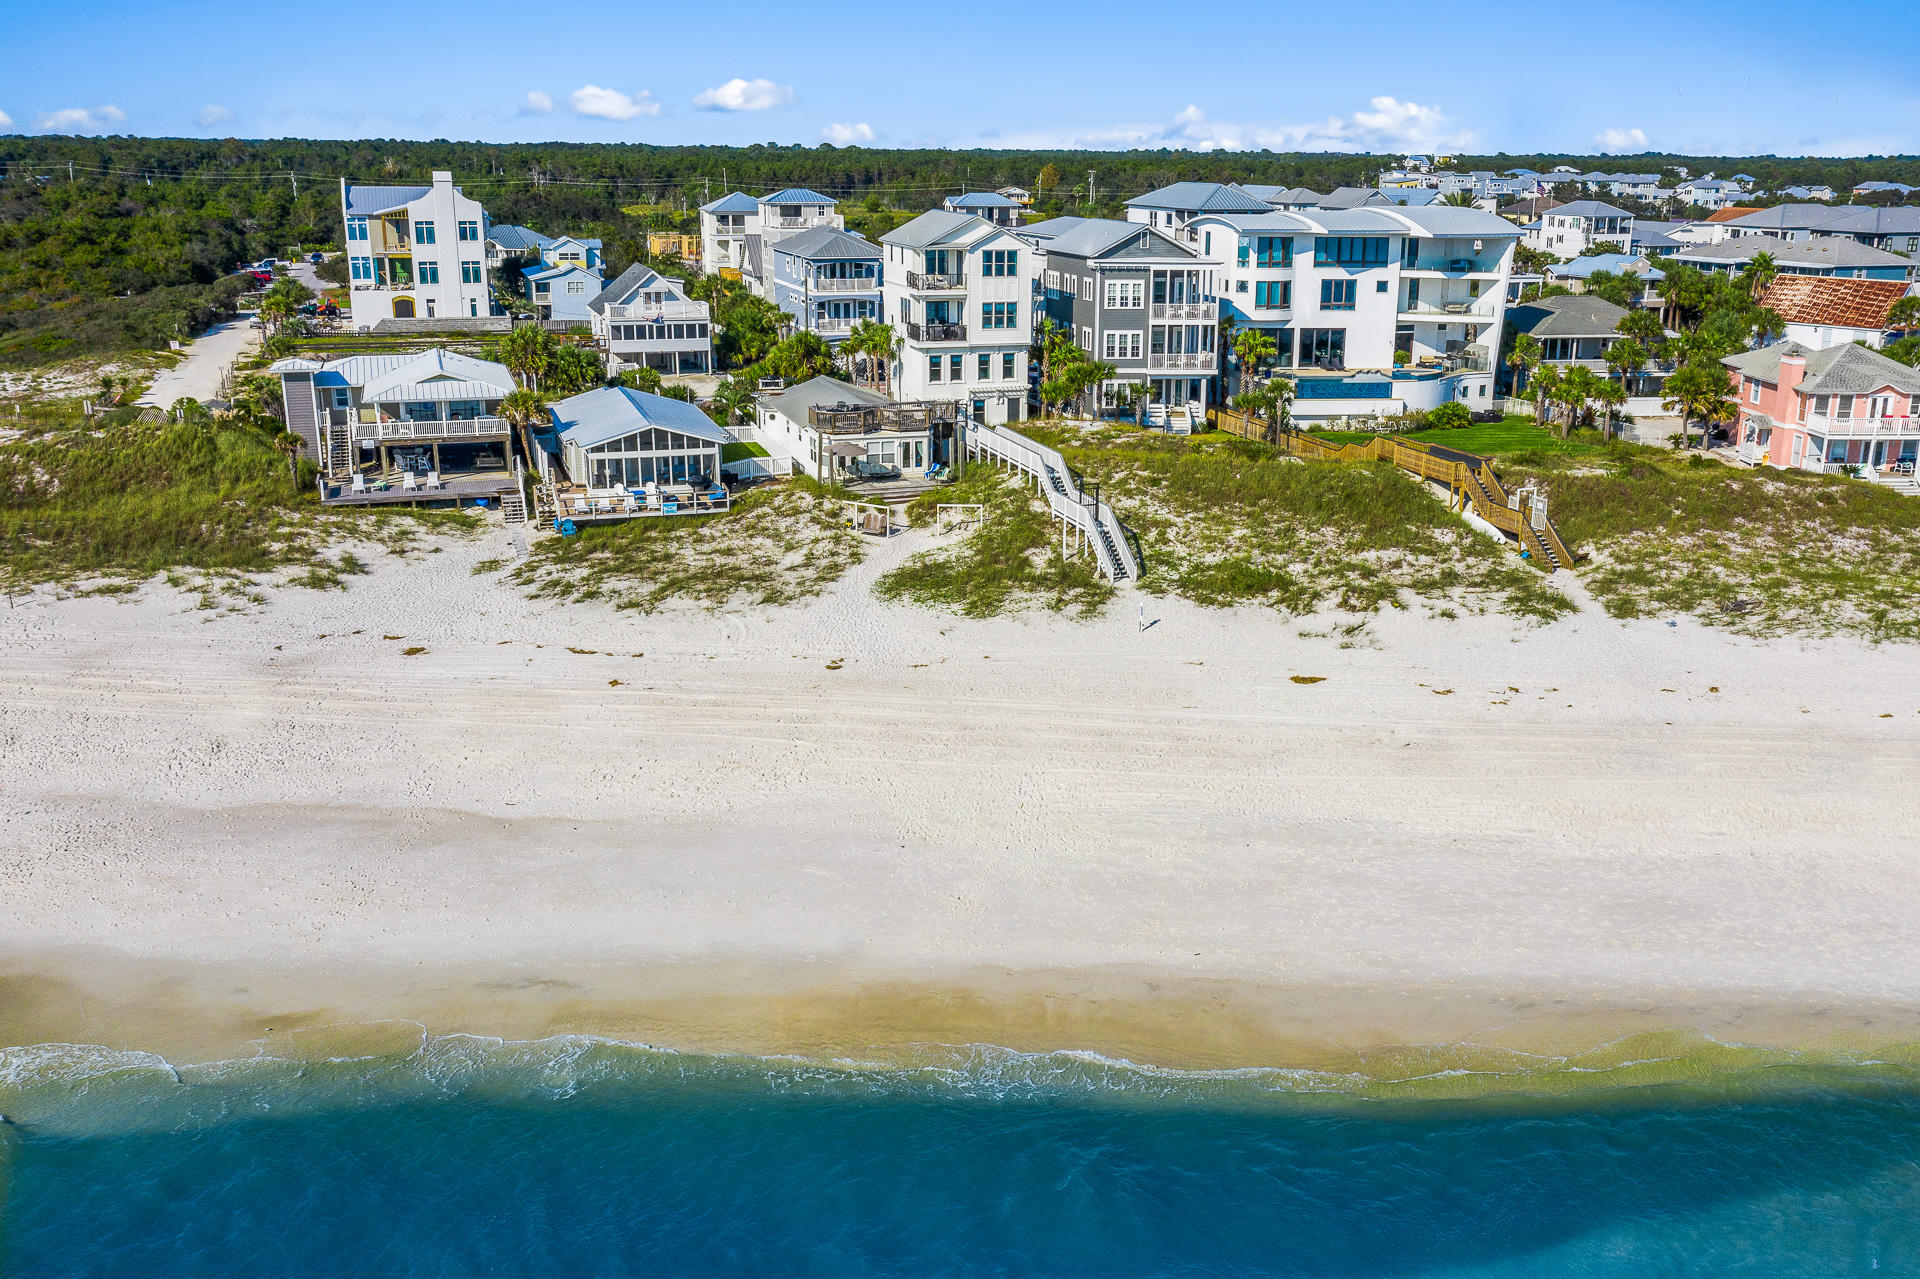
(685, 247)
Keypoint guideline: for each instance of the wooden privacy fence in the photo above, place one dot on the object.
(1520, 513)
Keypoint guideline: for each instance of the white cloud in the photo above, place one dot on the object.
(536, 103)
(1387, 125)
(6, 121)
(213, 114)
(611, 104)
(744, 95)
(78, 119)
(847, 135)
(1621, 140)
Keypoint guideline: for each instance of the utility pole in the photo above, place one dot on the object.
(1090, 199)
(69, 173)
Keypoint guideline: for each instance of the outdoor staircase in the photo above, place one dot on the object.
(1113, 551)
(339, 450)
(1905, 485)
(513, 508)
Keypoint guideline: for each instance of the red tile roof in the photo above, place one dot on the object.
(1827, 299)
(1729, 214)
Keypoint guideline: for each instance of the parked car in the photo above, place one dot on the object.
(262, 278)
(316, 258)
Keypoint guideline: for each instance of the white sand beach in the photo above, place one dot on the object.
(571, 804)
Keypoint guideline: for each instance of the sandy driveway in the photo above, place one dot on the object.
(209, 356)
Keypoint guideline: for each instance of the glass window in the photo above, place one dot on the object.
(953, 369)
(1007, 373)
(1276, 293)
(1000, 262)
(429, 272)
(470, 273)
(423, 233)
(356, 228)
(1276, 250)
(999, 315)
(933, 368)
(1246, 251)
(1349, 250)
(1337, 295)
(469, 230)
(986, 366)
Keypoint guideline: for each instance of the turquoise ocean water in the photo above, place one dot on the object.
(576, 1157)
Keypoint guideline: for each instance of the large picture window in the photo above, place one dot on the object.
(1337, 295)
(1274, 293)
(1000, 315)
(1349, 250)
(1323, 348)
(1275, 250)
(1000, 262)
(1125, 295)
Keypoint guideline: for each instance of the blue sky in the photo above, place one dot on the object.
(1705, 77)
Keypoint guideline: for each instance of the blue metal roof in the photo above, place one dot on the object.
(733, 202)
(609, 412)
(797, 195)
(982, 200)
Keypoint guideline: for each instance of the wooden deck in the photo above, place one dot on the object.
(459, 489)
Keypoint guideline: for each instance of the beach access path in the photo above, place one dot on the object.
(208, 359)
(1592, 806)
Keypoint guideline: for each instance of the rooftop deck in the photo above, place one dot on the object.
(864, 419)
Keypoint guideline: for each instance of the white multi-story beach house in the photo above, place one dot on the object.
(1571, 230)
(1170, 208)
(828, 280)
(725, 225)
(415, 252)
(645, 320)
(959, 295)
(825, 426)
(1394, 308)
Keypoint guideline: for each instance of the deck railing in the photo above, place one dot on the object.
(1468, 476)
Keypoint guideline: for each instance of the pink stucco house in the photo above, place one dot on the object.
(1826, 410)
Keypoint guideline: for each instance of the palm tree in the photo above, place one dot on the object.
(1578, 390)
(521, 409)
(873, 340)
(1253, 346)
(1137, 393)
(733, 399)
(1698, 391)
(1626, 358)
(527, 351)
(289, 443)
(1760, 273)
(1545, 385)
(1458, 199)
(109, 389)
(1523, 357)
(1611, 395)
(1904, 315)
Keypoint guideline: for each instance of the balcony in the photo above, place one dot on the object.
(664, 313)
(1484, 308)
(1456, 267)
(1193, 361)
(936, 332)
(795, 224)
(828, 325)
(857, 284)
(1207, 311)
(932, 282)
(392, 426)
(863, 419)
(1854, 428)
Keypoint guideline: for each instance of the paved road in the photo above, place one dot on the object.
(209, 356)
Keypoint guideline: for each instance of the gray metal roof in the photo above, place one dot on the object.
(820, 392)
(516, 239)
(1590, 209)
(1580, 316)
(1273, 220)
(545, 272)
(1354, 197)
(609, 412)
(982, 200)
(1376, 221)
(797, 195)
(1203, 197)
(732, 202)
(362, 201)
(825, 243)
(1452, 220)
(439, 375)
(1098, 237)
(1821, 254)
(1049, 229)
(1844, 219)
(1846, 369)
(936, 226)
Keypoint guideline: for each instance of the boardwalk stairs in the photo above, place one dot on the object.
(1115, 552)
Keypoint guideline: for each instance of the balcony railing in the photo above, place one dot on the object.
(1455, 266)
(833, 324)
(1200, 361)
(1208, 310)
(932, 281)
(397, 428)
(795, 224)
(936, 332)
(665, 313)
(856, 284)
(383, 284)
(1463, 309)
(861, 419)
(1854, 427)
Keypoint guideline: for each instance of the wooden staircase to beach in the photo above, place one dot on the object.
(1474, 485)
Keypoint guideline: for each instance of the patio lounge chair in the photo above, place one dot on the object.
(580, 506)
(359, 482)
(627, 503)
(433, 480)
(408, 484)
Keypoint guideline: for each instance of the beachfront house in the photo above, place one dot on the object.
(958, 292)
(414, 252)
(725, 225)
(616, 453)
(827, 279)
(645, 320)
(1842, 409)
(1571, 230)
(1132, 296)
(402, 427)
(1578, 331)
(824, 426)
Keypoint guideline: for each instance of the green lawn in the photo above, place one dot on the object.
(1513, 437)
(738, 452)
